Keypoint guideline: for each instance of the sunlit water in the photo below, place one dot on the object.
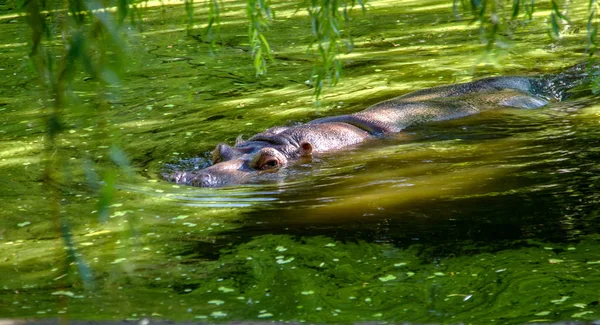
(492, 218)
(501, 175)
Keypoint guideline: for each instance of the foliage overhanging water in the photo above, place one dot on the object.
(491, 218)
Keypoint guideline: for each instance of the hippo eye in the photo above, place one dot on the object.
(270, 164)
(268, 159)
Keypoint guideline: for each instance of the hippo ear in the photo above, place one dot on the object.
(221, 153)
(305, 149)
(215, 155)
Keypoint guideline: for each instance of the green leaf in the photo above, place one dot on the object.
(265, 44)
(84, 271)
(529, 9)
(554, 25)
(515, 7)
(122, 10)
(120, 159)
(91, 176)
(106, 195)
(55, 125)
(557, 11)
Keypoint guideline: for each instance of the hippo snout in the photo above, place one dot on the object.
(224, 173)
(194, 178)
(204, 180)
(177, 177)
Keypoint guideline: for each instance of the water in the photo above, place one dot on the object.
(490, 218)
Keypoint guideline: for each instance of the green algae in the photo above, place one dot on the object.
(349, 289)
(174, 252)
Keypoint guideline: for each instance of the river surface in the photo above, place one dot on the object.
(493, 218)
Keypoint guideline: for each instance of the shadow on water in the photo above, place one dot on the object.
(489, 182)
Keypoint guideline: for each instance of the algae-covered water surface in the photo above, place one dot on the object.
(493, 218)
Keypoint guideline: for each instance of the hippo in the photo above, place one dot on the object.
(279, 147)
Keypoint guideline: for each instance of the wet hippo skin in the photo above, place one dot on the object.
(276, 148)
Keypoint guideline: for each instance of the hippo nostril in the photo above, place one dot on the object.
(177, 177)
(203, 180)
(181, 178)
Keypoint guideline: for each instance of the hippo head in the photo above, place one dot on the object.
(248, 161)
(266, 153)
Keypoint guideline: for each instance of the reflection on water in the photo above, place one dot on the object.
(505, 174)
(466, 217)
(492, 218)
(245, 196)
